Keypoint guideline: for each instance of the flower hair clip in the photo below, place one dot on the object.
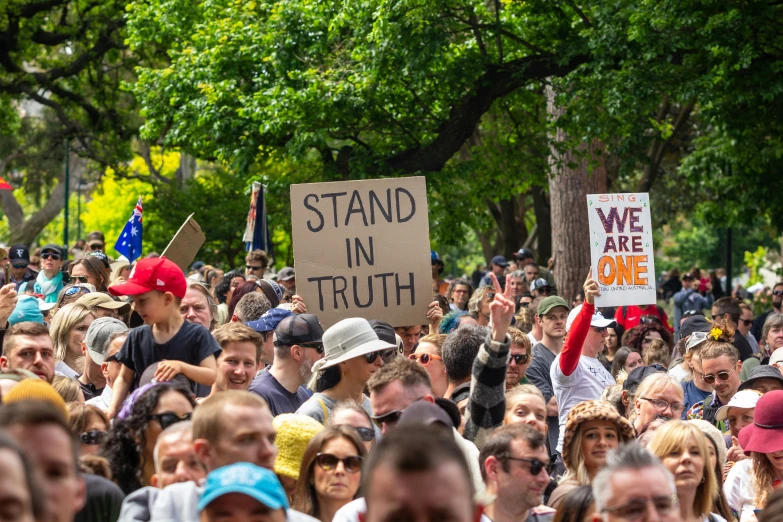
(716, 333)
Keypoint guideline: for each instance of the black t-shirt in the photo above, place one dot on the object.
(279, 399)
(104, 500)
(191, 344)
(90, 391)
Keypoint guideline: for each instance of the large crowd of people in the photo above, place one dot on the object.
(138, 392)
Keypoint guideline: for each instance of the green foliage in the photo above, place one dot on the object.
(755, 261)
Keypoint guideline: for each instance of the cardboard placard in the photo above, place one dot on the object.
(185, 244)
(362, 249)
(621, 248)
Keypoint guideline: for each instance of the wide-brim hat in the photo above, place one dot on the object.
(593, 410)
(763, 371)
(765, 435)
(350, 338)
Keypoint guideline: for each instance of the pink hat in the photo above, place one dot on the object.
(765, 435)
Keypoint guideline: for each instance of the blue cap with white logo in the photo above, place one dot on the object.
(248, 479)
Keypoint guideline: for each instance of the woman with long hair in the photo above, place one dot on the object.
(89, 425)
(526, 404)
(330, 474)
(718, 458)
(577, 506)
(248, 287)
(751, 482)
(130, 442)
(625, 359)
(68, 328)
(682, 447)
(478, 305)
(89, 270)
(611, 345)
(593, 429)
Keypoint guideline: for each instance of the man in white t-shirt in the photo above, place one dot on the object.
(577, 374)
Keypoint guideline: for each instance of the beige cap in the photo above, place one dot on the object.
(101, 300)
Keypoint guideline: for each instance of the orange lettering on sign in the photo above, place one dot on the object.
(622, 270)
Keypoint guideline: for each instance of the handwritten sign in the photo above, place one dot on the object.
(621, 248)
(362, 249)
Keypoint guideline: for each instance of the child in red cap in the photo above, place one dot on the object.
(157, 287)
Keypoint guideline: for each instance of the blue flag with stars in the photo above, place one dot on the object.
(129, 242)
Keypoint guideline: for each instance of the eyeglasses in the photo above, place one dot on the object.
(78, 279)
(366, 434)
(599, 329)
(424, 358)
(384, 354)
(637, 508)
(51, 255)
(76, 289)
(747, 322)
(254, 268)
(709, 378)
(536, 465)
(167, 419)
(328, 462)
(92, 437)
(318, 347)
(520, 358)
(661, 405)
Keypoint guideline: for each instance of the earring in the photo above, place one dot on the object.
(702, 480)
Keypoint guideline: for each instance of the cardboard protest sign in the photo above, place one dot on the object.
(185, 244)
(621, 248)
(362, 249)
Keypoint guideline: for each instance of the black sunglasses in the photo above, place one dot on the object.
(19, 265)
(777, 292)
(168, 419)
(73, 279)
(383, 354)
(366, 434)
(747, 322)
(387, 418)
(51, 255)
(690, 313)
(536, 465)
(520, 358)
(328, 462)
(92, 437)
(254, 268)
(649, 319)
(318, 347)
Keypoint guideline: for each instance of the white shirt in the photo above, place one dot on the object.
(587, 383)
(102, 401)
(678, 373)
(739, 491)
(533, 340)
(63, 369)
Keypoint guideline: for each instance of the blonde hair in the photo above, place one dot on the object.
(520, 339)
(763, 478)
(518, 391)
(654, 383)
(436, 340)
(68, 388)
(64, 320)
(673, 437)
(474, 303)
(658, 352)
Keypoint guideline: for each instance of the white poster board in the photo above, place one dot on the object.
(362, 249)
(621, 248)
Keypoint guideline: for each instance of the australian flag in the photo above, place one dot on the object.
(129, 242)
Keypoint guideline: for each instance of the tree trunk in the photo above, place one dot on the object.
(25, 230)
(573, 175)
(187, 168)
(543, 212)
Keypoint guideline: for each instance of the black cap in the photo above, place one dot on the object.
(53, 248)
(524, 253)
(694, 323)
(98, 254)
(638, 374)
(19, 254)
(299, 329)
(96, 234)
(763, 371)
(427, 413)
(384, 331)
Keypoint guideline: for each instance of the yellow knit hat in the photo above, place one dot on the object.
(36, 390)
(294, 433)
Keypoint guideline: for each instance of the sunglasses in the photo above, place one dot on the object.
(318, 347)
(92, 437)
(390, 418)
(19, 265)
(709, 378)
(649, 319)
(520, 358)
(253, 268)
(777, 292)
(747, 322)
(690, 313)
(78, 279)
(75, 290)
(599, 329)
(424, 358)
(49, 255)
(383, 354)
(536, 465)
(168, 419)
(366, 434)
(524, 304)
(96, 247)
(328, 462)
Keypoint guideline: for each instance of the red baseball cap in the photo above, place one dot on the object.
(765, 435)
(153, 274)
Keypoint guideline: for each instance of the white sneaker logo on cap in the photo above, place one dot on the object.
(161, 283)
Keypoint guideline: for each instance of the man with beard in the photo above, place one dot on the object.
(298, 346)
(28, 346)
(240, 358)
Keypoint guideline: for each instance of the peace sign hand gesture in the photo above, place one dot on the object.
(501, 309)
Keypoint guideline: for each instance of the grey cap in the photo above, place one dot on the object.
(286, 274)
(98, 334)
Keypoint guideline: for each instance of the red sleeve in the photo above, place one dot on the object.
(618, 316)
(572, 350)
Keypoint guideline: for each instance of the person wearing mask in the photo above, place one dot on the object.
(592, 430)
(721, 366)
(761, 319)
(298, 347)
(330, 473)
(658, 396)
(577, 374)
(552, 316)
(634, 482)
(429, 353)
(174, 457)
(19, 271)
(682, 448)
(28, 346)
(352, 354)
(241, 492)
(515, 468)
(751, 482)
(43, 433)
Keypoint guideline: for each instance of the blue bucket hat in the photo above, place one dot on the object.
(269, 321)
(248, 479)
(27, 311)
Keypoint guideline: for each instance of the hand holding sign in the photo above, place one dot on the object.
(591, 288)
(501, 309)
(434, 316)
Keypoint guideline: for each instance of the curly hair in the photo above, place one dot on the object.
(127, 438)
(239, 292)
(222, 288)
(635, 336)
(450, 322)
(474, 304)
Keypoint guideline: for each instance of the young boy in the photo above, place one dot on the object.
(157, 287)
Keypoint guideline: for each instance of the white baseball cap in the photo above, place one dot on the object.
(741, 399)
(598, 319)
